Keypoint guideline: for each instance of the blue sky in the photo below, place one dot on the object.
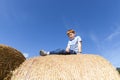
(31, 25)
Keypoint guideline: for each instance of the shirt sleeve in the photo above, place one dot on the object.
(68, 43)
(79, 38)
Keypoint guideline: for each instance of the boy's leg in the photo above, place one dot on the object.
(58, 51)
(72, 52)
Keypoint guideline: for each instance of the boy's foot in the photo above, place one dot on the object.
(43, 53)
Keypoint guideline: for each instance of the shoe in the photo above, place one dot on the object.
(43, 53)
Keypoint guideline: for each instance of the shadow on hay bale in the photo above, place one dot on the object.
(10, 59)
(66, 67)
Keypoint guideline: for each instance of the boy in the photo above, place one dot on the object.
(74, 45)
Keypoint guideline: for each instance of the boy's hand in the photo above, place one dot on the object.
(67, 50)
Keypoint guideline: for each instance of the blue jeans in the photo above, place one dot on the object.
(62, 51)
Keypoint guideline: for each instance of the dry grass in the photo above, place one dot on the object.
(66, 67)
(10, 59)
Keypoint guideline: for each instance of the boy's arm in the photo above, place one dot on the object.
(80, 46)
(67, 48)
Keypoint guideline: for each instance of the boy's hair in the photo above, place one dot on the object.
(70, 31)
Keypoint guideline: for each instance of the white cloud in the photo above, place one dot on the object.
(26, 55)
(109, 47)
(112, 35)
(115, 33)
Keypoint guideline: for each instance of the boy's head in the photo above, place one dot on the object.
(71, 33)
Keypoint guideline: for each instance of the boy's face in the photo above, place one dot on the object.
(71, 35)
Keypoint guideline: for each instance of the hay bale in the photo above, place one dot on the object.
(10, 59)
(66, 67)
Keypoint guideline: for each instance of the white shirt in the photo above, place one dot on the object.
(74, 43)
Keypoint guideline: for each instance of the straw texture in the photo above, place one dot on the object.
(66, 67)
(10, 59)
